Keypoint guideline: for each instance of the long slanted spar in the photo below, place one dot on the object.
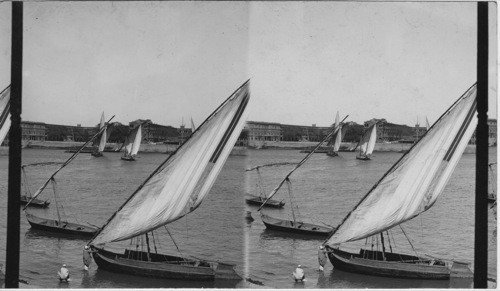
(181, 182)
(71, 158)
(4, 113)
(275, 190)
(414, 182)
(367, 143)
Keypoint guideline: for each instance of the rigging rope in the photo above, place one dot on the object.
(182, 256)
(408, 240)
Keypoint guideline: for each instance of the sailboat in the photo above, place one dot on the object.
(410, 187)
(24, 199)
(103, 138)
(176, 188)
(492, 181)
(294, 225)
(259, 199)
(367, 143)
(334, 143)
(60, 225)
(132, 143)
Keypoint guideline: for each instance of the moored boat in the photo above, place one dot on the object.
(174, 189)
(295, 226)
(35, 203)
(410, 187)
(63, 227)
(258, 200)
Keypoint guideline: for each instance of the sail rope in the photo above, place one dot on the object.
(295, 208)
(154, 241)
(177, 247)
(260, 183)
(389, 239)
(400, 226)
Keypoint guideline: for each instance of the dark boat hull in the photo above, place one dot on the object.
(363, 158)
(299, 227)
(130, 159)
(96, 154)
(332, 153)
(163, 266)
(35, 203)
(63, 227)
(413, 267)
(256, 200)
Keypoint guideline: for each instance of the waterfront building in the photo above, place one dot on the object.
(259, 132)
(33, 131)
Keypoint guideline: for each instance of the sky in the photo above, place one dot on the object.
(172, 61)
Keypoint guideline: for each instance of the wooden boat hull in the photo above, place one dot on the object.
(35, 203)
(163, 266)
(96, 154)
(130, 159)
(363, 158)
(299, 227)
(332, 153)
(257, 200)
(63, 228)
(413, 268)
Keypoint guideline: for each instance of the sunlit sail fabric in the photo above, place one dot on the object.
(337, 135)
(137, 141)
(367, 143)
(414, 183)
(135, 136)
(181, 183)
(4, 113)
(102, 142)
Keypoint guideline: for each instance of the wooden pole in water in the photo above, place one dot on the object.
(481, 219)
(15, 135)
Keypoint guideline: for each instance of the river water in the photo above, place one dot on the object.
(325, 189)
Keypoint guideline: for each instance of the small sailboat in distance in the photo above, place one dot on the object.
(103, 138)
(410, 187)
(176, 188)
(334, 142)
(367, 143)
(132, 143)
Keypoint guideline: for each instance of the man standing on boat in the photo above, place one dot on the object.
(321, 257)
(87, 258)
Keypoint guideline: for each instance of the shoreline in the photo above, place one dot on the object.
(237, 150)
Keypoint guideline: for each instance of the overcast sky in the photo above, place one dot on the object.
(166, 61)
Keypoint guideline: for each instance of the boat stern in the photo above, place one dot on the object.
(226, 272)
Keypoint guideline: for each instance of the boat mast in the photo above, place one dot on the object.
(291, 201)
(54, 186)
(383, 245)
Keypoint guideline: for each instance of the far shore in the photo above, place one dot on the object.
(238, 150)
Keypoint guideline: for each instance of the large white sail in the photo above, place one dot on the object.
(129, 144)
(414, 183)
(4, 113)
(181, 183)
(337, 135)
(137, 141)
(102, 142)
(367, 142)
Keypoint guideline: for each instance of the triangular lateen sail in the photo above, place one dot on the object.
(4, 113)
(103, 139)
(368, 140)
(181, 182)
(414, 183)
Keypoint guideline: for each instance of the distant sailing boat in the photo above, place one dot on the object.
(132, 143)
(410, 187)
(259, 199)
(492, 181)
(295, 226)
(367, 143)
(176, 188)
(103, 138)
(60, 225)
(334, 142)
